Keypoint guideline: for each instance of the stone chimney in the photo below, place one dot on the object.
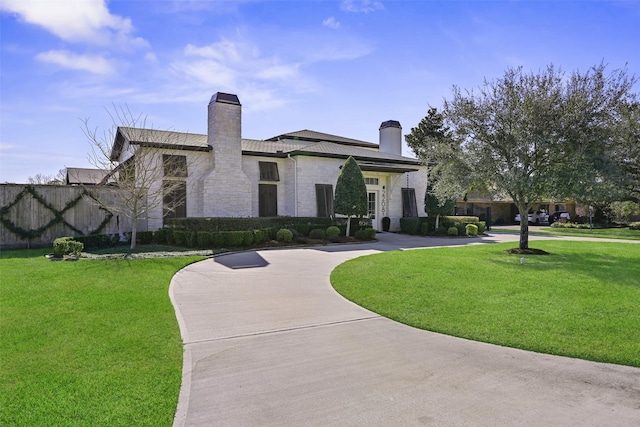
(391, 137)
(227, 190)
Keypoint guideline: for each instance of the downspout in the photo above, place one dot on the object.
(295, 184)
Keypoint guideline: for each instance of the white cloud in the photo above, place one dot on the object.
(238, 66)
(91, 63)
(361, 6)
(78, 21)
(331, 22)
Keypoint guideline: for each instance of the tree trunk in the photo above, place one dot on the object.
(348, 233)
(524, 231)
(437, 222)
(134, 233)
(524, 225)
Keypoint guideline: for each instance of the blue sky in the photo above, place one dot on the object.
(339, 67)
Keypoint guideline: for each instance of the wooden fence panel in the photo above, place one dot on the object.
(36, 215)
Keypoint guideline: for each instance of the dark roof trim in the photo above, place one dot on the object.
(371, 167)
(280, 155)
(226, 98)
(390, 124)
(172, 147)
(359, 158)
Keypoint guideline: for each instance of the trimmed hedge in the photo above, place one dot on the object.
(243, 224)
(410, 225)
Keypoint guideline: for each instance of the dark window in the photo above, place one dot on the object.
(324, 200)
(269, 171)
(174, 202)
(409, 207)
(174, 166)
(267, 200)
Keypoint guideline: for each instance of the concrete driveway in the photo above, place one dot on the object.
(268, 342)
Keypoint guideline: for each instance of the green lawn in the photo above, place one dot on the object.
(582, 301)
(90, 342)
(605, 233)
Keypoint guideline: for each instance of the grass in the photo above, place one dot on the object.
(90, 342)
(582, 301)
(605, 233)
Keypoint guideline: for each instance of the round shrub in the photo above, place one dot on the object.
(472, 229)
(284, 235)
(482, 227)
(452, 231)
(333, 231)
(366, 234)
(634, 226)
(317, 234)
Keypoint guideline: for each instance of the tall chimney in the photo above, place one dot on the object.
(391, 137)
(227, 190)
(224, 129)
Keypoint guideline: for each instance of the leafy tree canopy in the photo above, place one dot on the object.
(535, 136)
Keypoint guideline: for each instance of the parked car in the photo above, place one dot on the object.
(558, 215)
(534, 217)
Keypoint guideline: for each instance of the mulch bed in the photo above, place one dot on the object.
(529, 251)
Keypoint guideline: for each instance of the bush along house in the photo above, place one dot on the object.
(293, 174)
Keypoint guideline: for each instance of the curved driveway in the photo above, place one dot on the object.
(268, 342)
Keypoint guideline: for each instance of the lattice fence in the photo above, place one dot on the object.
(35, 215)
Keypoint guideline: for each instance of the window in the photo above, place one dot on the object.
(324, 200)
(409, 207)
(269, 171)
(371, 181)
(267, 200)
(174, 166)
(174, 202)
(371, 205)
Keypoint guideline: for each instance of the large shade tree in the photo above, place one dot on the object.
(351, 192)
(534, 136)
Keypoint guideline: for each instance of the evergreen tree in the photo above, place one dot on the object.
(351, 192)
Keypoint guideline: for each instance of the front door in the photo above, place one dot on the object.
(372, 202)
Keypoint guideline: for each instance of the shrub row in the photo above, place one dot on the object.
(303, 224)
(426, 225)
(188, 235)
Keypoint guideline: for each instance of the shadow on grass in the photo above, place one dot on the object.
(615, 265)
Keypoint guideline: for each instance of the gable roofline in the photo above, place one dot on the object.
(157, 139)
(314, 136)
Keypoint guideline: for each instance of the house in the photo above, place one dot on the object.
(84, 176)
(222, 174)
